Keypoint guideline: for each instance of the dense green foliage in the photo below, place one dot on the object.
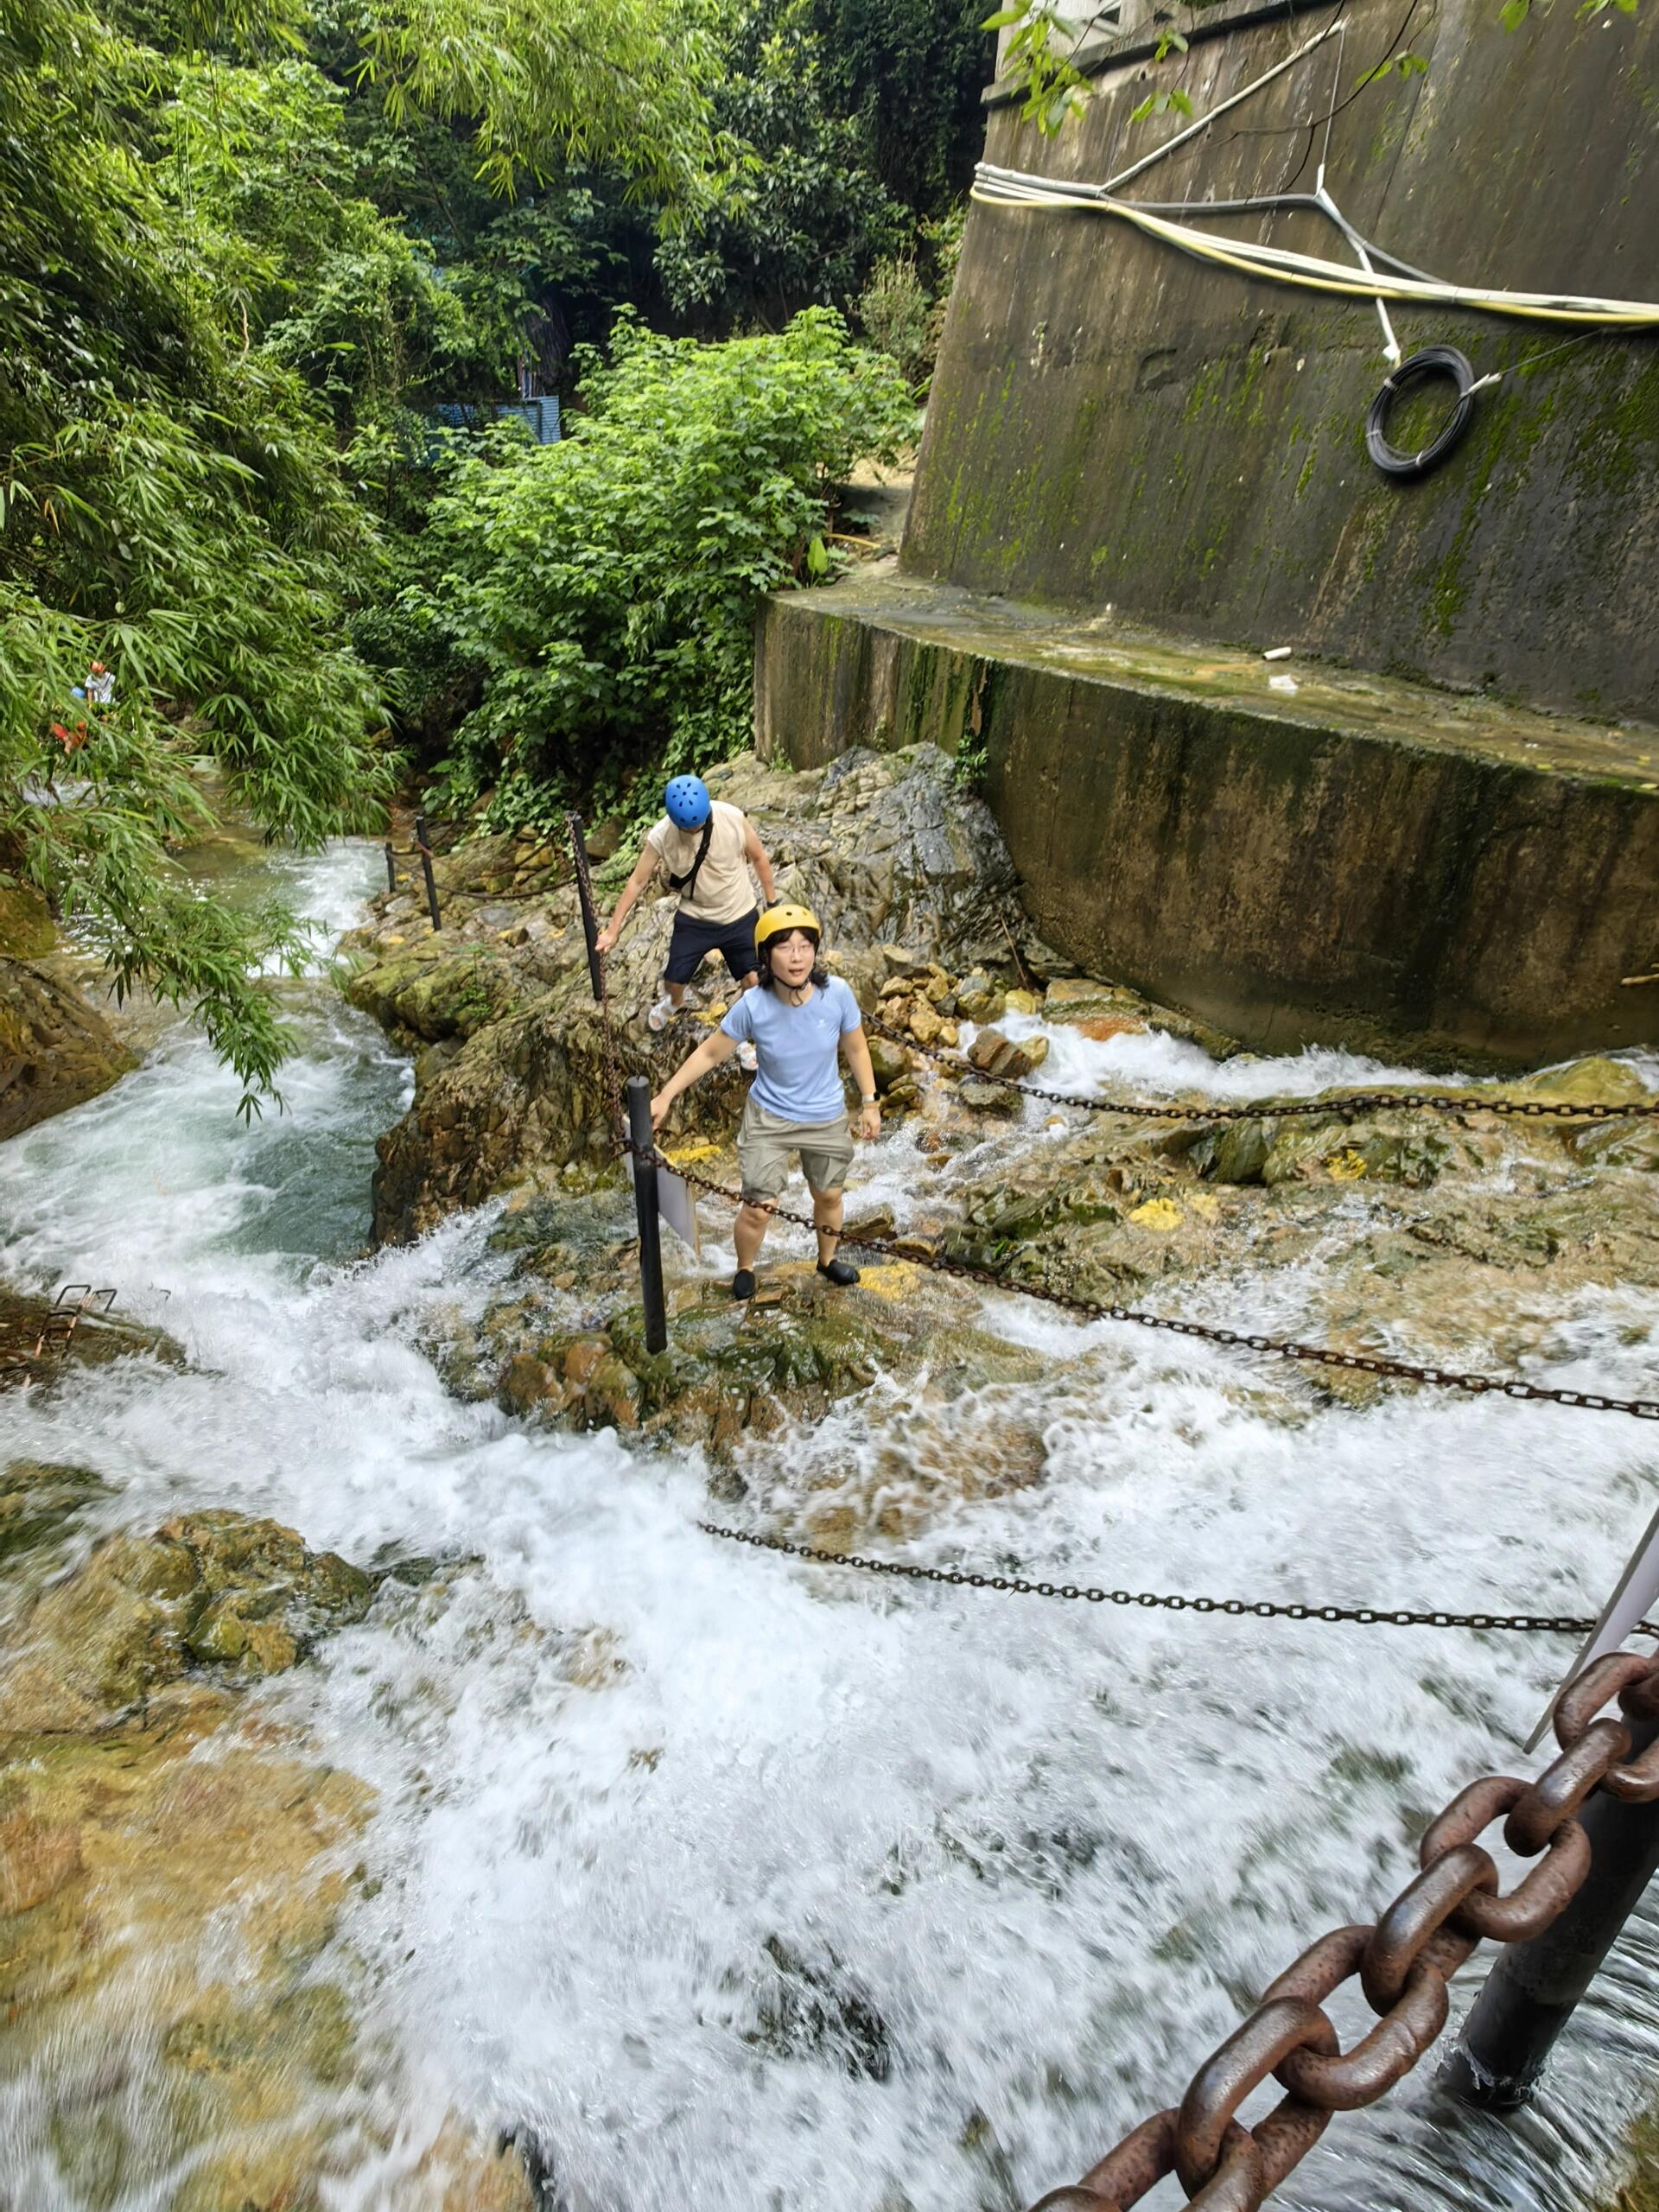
(252, 248)
(602, 591)
(172, 509)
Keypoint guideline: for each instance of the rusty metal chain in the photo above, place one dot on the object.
(1359, 1102)
(1403, 1962)
(1261, 1609)
(1361, 1362)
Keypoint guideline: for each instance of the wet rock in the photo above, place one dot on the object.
(36, 1858)
(993, 1099)
(55, 1050)
(993, 1054)
(96, 1338)
(1234, 1152)
(890, 1062)
(40, 1503)
(216, 1587)
(171, 1888)
(1583, 1082)
(437, 993)
(1617, 1144)
(977, 998)
(809, 2007)
(1101, 1011)
(26, 931)
(732, 1371)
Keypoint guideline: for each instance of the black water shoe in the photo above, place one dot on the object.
(839, 1272)
(743, 1284)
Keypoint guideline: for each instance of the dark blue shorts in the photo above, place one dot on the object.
(692, 943)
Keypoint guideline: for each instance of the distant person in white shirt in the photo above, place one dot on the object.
(705, 848)
(800, 1021)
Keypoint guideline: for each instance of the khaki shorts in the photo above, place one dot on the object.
(765, 1140)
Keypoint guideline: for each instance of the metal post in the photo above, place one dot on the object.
(590, 919)
(426, 870)
(644, 1144)
(1534, 1988)
(391, 867)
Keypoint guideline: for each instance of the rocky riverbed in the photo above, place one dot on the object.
(388, 1766)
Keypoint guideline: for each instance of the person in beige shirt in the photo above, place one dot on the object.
(705, 848)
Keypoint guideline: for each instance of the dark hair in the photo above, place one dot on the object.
(769, 980)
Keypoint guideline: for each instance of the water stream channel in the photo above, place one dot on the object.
(811, 1888)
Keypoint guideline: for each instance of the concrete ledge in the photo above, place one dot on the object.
(1362, 862)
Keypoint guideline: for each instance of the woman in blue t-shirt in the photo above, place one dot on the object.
(798, 1021)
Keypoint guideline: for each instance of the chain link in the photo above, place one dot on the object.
(1403, 1962)
(1404, 1371)
(1353, 1102)
(1261, 1609)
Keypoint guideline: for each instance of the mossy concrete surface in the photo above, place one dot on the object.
(1362, 860)
(1113, 423)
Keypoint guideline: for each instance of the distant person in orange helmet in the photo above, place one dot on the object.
(705, 847)
(799, 1021)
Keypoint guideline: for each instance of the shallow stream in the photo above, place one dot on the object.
(808, 1888)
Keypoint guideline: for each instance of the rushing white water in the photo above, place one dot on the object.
(903, 1895)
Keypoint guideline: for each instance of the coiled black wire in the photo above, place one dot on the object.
(1417, 368)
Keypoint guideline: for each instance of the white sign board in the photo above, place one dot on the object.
(675, 1204)
(1638, 1587)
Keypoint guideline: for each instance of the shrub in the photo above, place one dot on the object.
(602, 593)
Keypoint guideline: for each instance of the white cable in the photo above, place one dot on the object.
(1311, 272)
(1391, 352)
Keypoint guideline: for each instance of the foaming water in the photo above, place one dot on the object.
(1153, 1061)
(736, 1879)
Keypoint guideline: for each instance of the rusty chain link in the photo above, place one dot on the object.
(1403, 1962)
(1093, 1309)
(1359, 1102)
(1262, 1608)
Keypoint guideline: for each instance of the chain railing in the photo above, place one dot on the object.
(1403, 1962)
(1344, 1104)
(1291, 1348)
(1261, 1609)
(1380, 1364)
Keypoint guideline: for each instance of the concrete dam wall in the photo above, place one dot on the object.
(1441, 835)
(1113, 423)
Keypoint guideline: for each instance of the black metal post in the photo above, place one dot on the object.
(426, 870)
(644, 1144)
(590, 919)
(391, 867)
(1533, 1989)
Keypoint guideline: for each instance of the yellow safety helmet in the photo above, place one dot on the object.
(779, 921)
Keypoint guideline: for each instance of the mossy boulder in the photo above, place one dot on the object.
(733, 1370)
(55, 1050)
(216, 1588)
(40, 1503)
(27, 931)
(436, 991)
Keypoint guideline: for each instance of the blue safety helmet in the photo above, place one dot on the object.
(687, 802)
